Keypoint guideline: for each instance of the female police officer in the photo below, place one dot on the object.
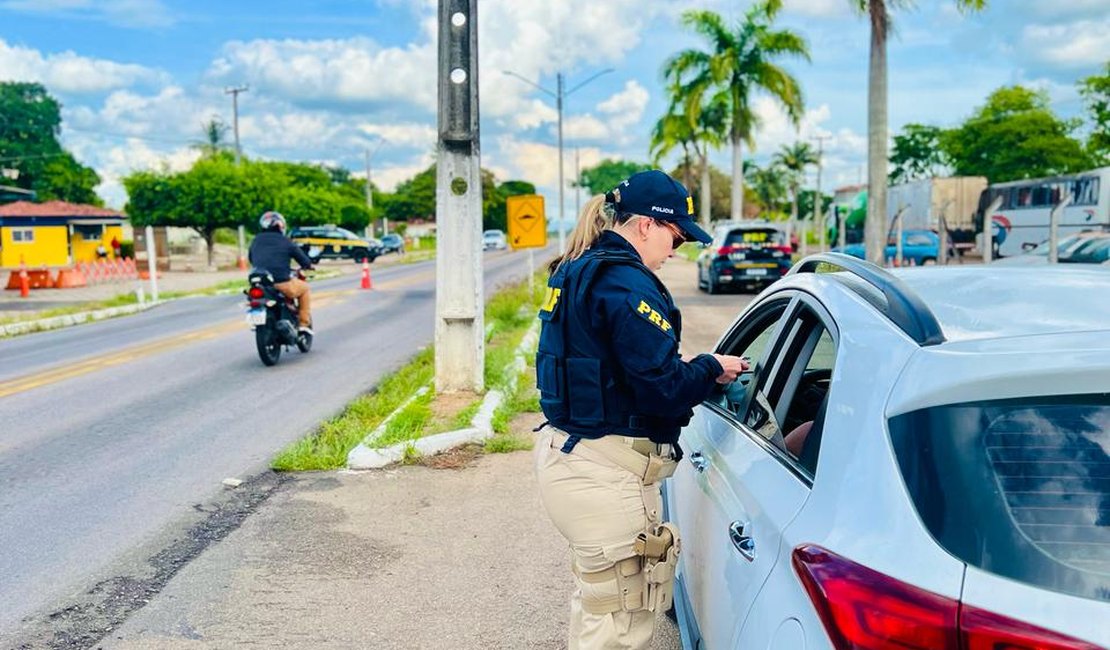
(616, 392)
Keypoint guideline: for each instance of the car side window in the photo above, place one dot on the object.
(796, 393)
(799, 392)
(751, 341)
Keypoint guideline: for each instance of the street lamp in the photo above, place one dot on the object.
(559, 94)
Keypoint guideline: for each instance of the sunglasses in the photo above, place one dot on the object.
(678, 237)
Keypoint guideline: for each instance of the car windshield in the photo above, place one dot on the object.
(1019, 488)
(755, 236)
(492, 234)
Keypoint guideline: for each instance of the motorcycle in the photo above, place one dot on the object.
(273, 317)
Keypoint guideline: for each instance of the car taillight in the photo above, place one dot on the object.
(725, 250)
(255, 293)
(983, 630)
(863, 609)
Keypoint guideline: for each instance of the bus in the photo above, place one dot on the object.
(1021, 222)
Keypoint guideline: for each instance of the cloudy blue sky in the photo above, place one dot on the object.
(329, 78)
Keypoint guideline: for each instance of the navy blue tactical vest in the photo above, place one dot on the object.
(582, 388)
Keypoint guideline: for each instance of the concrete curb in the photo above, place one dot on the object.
(57, 322)
(481, 427)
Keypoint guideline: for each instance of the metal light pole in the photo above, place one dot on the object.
(459, 341)
(560, 94)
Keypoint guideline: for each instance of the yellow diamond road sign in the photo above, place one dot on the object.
(527, 224)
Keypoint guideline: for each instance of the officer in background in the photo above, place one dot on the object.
(615, 392)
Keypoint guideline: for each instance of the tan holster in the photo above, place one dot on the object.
(644, 581)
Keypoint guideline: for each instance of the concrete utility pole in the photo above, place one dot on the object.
(560, 94)
(369, 192)
(577, 187)
(234, 92)
(459, 342)
(818, 208)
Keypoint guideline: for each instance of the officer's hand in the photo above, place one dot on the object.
(733, 367)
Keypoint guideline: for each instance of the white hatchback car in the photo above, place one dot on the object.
(919, 459)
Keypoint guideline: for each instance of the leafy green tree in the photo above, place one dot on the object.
(770, 187)
(1096, 95)
(605, 175)
(793, 160)
(414, 198)
(1014, 135)
(720, 189)
(215, 193)
(878, 14)
(737, 64)
(917, 154)
(494, 198)
(30, 122)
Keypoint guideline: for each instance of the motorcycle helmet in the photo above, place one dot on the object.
(271, 220)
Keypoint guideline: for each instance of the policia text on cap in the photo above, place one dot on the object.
(615, 392)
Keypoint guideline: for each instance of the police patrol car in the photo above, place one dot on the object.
(324, 242)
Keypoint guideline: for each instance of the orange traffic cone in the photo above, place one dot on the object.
(24, 281)
(242, 263)
(366, 282)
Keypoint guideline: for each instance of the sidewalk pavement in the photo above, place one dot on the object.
(406, 557)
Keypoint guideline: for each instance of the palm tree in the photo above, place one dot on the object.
(215, 137)
(738, 63)
(673, 130)
(877, 12)
(794, 159)
(769, 184)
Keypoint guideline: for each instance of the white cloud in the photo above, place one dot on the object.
(66, 72)
(1078, 44)
(350, 71)
(585, 127)
(389, 176)
(818, 8)
(410, 135)
(127, 13)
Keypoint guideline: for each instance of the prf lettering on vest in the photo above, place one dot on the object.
(551, 299)
(653, 316)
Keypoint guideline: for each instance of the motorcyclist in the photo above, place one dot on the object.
(273, 251)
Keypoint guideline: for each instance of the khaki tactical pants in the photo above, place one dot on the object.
(297, 289)
(604, 498)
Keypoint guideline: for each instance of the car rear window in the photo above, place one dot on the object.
(1019, 488)
(755, 236)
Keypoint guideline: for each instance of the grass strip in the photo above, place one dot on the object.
(328, 446)
(510, 310)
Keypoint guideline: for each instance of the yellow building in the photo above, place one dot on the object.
(56, 233)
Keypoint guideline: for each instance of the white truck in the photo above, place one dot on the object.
(926, 203)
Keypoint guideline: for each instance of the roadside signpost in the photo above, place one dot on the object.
(527, 227)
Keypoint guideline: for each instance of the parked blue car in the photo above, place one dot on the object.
(919, 247)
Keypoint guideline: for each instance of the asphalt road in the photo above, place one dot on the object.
(113, 434)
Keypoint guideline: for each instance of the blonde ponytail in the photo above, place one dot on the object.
(594, 220)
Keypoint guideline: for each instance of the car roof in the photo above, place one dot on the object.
(981, 302)
(749, 225)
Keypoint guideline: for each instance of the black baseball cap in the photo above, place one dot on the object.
(655, 194)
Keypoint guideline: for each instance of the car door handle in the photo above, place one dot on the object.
(743, 542)
(699, 461)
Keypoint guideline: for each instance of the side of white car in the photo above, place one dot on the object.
(764, 533)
